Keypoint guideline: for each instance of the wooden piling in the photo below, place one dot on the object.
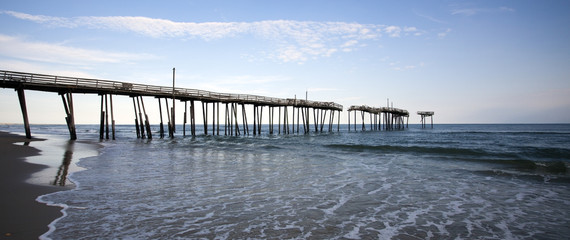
(205, 116)
(102, 119)
(112, 117)
(22, 99)
(148, 130)
(218, 119)
(72, 132)
(68, 106)
(161, 123)
(192, 118)
(184, 122)
(141, 123)
(136, 118)
(106, 117)
(236, 124)
(170, 127)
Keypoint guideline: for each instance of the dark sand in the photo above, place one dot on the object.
(22, 216)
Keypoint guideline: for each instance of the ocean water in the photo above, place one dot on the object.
(450, 182)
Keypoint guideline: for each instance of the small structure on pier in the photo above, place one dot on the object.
(393, 117)
(424, 115)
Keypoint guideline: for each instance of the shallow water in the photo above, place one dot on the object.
(454, 181)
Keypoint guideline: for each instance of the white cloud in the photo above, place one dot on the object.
(20, 48)
(297, 41)
(393, 31)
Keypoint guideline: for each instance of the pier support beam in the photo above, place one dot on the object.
(112, 117)
(192, 119)
(147, 123)
(22, 99)
(136, 118)
(161, 123)
(70, 119)
(141, 124)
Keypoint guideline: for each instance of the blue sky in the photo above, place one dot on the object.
(469, 61)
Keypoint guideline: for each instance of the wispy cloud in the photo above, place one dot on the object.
(397, 67)
(475, 11)
(433, 19)
(296, 41)
(443, 34)
(20, 48)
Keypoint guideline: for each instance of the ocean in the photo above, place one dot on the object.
(483, 181)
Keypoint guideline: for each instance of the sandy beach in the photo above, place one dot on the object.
(22, 216)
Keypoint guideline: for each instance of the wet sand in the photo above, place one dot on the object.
(22, 216)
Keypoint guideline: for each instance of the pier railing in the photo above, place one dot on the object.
(88, 85)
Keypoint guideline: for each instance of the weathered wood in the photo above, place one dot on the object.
(298, 111)
(106, 117)
(136, 118)
(205, 116)
(22, 99)
(218, 119)
(338, 123)
(270, 113)
(235, 108)
(102, 119)
(69, 119)
(112, 117)
(184, 123)
(170, 127)
(141, 123)
(73, 133)
(254, 120)
(161, 122)
(226, 121)
(148, 130)
(192, 118)
(213, 119)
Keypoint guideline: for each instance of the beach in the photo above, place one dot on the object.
(22, 216)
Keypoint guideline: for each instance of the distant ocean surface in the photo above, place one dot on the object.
(450, 182)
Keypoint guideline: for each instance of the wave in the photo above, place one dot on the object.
(547, 160)
(409, 149)
(533, 176)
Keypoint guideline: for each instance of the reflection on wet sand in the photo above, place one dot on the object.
(61, 177)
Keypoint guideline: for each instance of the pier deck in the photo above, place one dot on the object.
(60, 84)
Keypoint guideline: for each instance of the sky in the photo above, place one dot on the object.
(468, 61)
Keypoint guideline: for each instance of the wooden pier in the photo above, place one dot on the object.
(234, 105)
(424, 115)
(393, 117)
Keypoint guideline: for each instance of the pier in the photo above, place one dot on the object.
(291, 113)
(393, 117)
(424, 115)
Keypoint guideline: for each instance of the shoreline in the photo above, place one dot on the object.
(23, 217)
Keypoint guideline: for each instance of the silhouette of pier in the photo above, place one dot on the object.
(234, 112)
